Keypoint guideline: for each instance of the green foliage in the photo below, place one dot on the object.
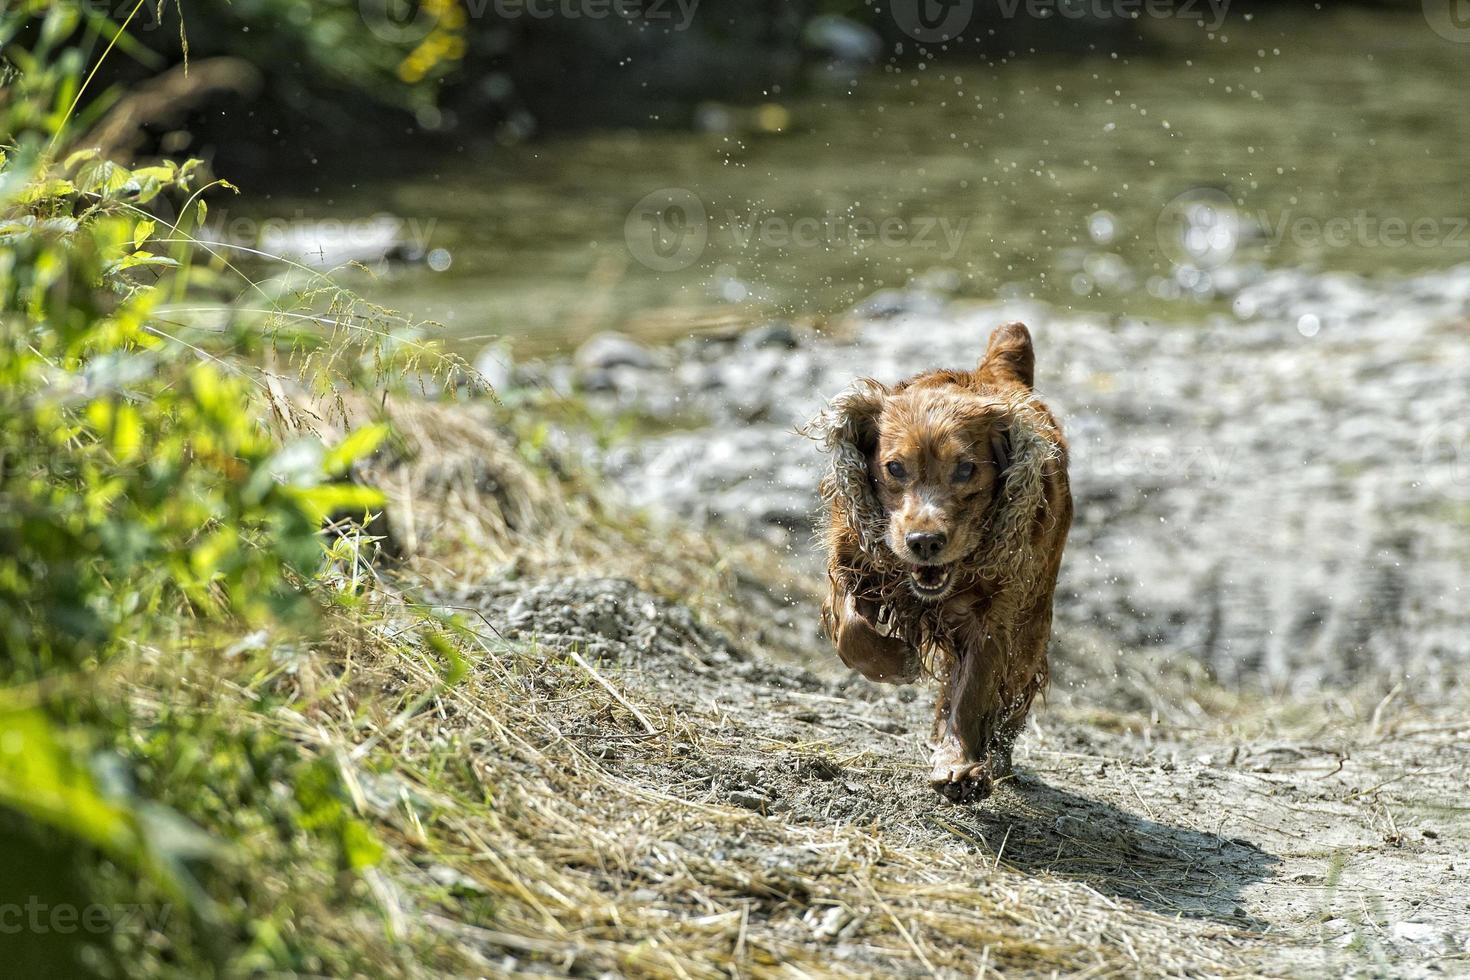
(158, 501)
(382, 49)
(137, 473)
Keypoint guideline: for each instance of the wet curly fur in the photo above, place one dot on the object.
(986, 639)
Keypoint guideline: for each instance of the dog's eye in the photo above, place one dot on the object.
(896, 470)
(963, 471)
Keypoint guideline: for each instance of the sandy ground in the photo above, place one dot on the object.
(1303, 840)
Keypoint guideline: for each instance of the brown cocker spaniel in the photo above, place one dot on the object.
(948, 506)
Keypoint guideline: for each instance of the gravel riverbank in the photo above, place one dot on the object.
(1281, 492)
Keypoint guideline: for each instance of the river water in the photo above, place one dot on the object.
(1339, 140)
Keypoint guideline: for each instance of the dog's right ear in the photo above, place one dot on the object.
(848, 431)
(856, 413)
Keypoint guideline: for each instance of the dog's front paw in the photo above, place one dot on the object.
(956, 776)
(878, 657)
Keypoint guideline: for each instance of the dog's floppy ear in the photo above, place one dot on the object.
(1009, 358)
(848, 431)
(857, 411)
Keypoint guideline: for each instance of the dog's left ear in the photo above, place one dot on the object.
(1009, 357)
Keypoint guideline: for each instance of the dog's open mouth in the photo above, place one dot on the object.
(930, 581)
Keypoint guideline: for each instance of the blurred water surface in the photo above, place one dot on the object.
(1040, 176)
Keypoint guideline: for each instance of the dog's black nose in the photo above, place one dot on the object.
(925, 545)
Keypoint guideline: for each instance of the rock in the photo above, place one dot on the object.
(456, 882)
(777, 333)
(607, 350)
(1419, 934)
(843, 39)
(748, 800)
(827, 923)
(495, 366)
(887, 303)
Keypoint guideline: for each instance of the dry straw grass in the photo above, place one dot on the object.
(475, 497)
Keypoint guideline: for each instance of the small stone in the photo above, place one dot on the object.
(495, 366)
(843, 39)
(457, 882)
(829, 923)
(778, 334)
(607, 350)
(1417, 933)
(748, 800)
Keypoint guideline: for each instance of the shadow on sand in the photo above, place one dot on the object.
(1170, 870)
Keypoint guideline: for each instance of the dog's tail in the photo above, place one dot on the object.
(1009, 358)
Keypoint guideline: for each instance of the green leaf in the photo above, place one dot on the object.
(143, 258)
(359, 443)
(81, 156)
(143, 230)
(163, 173)
(320, 503)
(455, 664)
(39, 777)
(359, 847)
(127, 433)
(47, 190)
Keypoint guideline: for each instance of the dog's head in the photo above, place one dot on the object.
(937, 458)
(922, 467)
